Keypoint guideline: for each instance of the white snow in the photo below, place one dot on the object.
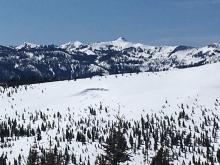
(133, 95)
(71, 45)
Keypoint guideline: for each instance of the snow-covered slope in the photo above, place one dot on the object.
(131, 91)
(194, 91)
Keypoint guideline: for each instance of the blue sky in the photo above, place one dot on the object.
(155, 22)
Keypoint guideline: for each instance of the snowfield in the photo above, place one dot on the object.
(130, 95)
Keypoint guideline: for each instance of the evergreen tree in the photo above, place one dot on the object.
(50, 158)
(3, 159)
(218, 155)
(100, 160)
(116, 149)
(161, 158)
(32, 157)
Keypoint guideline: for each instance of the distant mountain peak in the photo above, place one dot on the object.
(70, 45)
(121, 39)
(214, 45)
(77, 43)
(27, 45)
(121, 42)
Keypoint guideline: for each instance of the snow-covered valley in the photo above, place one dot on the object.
(186, 102)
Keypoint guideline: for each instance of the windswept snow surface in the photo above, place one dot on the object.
(127, 93)
(132, 95)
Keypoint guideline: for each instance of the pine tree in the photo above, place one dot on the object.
(67, 157)
(3, 159)
(100, 160)
(161, 158)
(218, 155)
(15, 162)
(115, 148)
(19, 159)
(32, 157)
(50, 158)
(131, 140)
(73, 158)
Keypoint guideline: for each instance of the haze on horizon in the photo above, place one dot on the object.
(155, 22)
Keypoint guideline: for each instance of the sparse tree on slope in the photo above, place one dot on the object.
(161, 158)
(218, 155)
(116, 149)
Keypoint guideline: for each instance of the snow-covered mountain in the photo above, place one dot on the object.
(27, 45)
(178, 109)
(32, 63)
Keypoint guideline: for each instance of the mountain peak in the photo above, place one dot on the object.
(214, 45)
(71, 45)
(77, 43)
(27, 45)
(121, 39)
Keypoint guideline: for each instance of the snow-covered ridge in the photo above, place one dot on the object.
(27, 45)
(71, 45)
(215, 45)
(142, 50)
(120, 42)
(77, 60)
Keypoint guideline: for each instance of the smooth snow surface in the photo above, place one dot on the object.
(132, 95)
(128, 93)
